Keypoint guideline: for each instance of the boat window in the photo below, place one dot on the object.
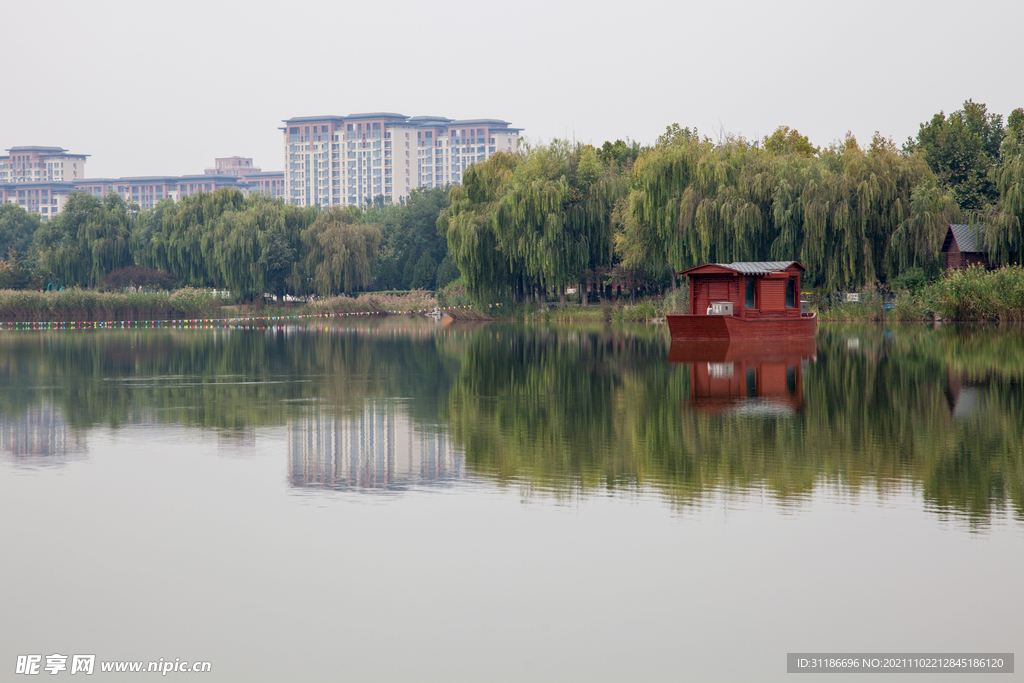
(790, 293)
(749, 302)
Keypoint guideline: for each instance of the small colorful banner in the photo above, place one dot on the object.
(196, 323)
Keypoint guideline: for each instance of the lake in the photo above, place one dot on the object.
(394, 499)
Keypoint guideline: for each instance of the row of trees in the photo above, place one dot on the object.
(565, 213)
(561, 215)
(248, 245)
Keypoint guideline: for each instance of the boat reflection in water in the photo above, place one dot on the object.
(746, 377)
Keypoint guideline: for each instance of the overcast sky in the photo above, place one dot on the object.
(150, 88)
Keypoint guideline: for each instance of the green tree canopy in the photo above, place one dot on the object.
(17, 230)
(694, 202)
(248, 245)
(88, 239)
(961, 150)
(619, 154)
(786, 140)
(546, 212)
(340, 250)
(467, 224)
(408, 232)
(1003, 234)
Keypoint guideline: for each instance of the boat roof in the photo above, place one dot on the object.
(749, 267)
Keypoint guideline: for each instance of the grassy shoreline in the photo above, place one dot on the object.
(92, 306)
(971, 295)
(86, 305)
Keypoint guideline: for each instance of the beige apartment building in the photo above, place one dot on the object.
(237, 166)
(353, 160)
(39, 179)
(35, 164)
(252, 180)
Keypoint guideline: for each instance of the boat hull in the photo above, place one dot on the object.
(733, 328)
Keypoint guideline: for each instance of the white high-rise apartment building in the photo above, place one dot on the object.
(352, 160)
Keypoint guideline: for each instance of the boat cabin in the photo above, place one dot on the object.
(746, 289)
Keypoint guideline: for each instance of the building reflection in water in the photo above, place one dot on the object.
(379, 449)
(754, 378)
(236, 443)
(965, 395)
(40, 436)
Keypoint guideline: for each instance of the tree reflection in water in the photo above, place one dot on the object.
(570, 410)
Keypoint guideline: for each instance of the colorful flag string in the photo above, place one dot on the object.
(189, 323)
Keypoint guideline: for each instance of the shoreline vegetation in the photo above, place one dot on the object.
(970, 295)
(88, 305)
(566, 220)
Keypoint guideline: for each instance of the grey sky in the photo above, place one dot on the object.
(163, 88)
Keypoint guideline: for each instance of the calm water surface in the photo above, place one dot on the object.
(397, 500)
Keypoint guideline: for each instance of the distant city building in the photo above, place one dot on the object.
(252, 179)
(238, 166)
(43, 198)
(146, 191)
(39, 179)
(267, 183)
(351, 160)
(41, 164)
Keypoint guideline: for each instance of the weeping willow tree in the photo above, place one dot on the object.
(339, 251)
(917, 241)
(467, 225)
(638, 247)
(851, 216)
(257, 250)
(533, 221)
(248, 245)
(555, 214)
(862, 200)
(179, 237)
(90, 238)
(704, 202)
(1003, 233)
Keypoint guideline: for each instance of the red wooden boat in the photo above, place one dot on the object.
(755, 300)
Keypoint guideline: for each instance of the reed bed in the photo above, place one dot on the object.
(972, 294)
(572, 313)
(607, 311)
(416, 301)
(870, 308)
(642, 312)
(89, 305)
(470, 314)
(977, 294)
